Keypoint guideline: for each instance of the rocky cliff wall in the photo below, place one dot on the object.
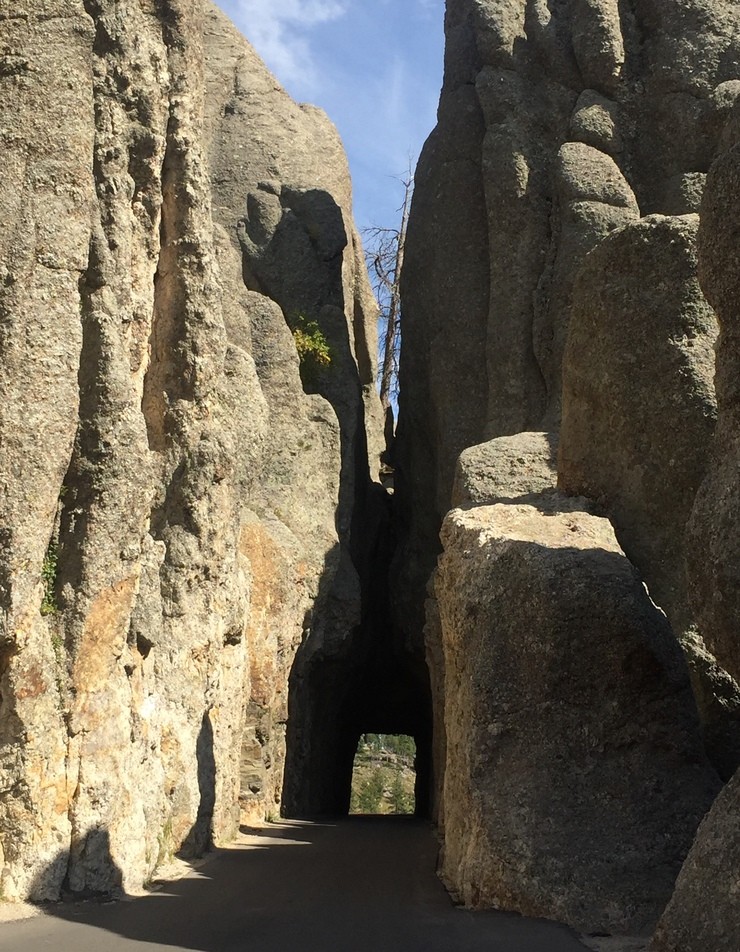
(556, 125)
(704, 910)
(176, 502)
(550, 284)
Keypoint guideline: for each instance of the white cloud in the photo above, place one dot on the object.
(373, 65)
(278, 29)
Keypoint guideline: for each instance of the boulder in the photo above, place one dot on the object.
(505, 469)
(575, 774)
(704, 912)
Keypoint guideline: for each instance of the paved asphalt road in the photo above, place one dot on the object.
(364, 884)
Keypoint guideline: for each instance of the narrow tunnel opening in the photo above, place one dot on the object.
(384, 775)
(346, 683)
(335, 709)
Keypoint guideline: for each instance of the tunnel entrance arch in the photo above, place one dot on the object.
(332, 704)
(350, 681)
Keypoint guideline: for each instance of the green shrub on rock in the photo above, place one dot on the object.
(314, 351)
(49, 570)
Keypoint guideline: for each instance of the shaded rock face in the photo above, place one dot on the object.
(557, 124)
(575, 771)
(639, 319)
(550, 284)
(704, 912)
(713, 544)
(182, 506)
(639, 411)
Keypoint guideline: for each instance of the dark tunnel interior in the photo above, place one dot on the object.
(371, 683)
(336, 711)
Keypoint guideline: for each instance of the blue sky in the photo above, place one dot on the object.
(375, 66)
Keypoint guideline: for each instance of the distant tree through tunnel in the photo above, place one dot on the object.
(383, 775)
(332, 712)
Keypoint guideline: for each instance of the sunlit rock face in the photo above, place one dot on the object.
(550, 286)
(174, 497)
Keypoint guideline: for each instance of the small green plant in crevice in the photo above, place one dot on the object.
(57, 646)
(164, 842)
(57, 643)
(314, 351)
(49, 573)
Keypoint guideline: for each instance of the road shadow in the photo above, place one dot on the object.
(360, 884)
(200, 837)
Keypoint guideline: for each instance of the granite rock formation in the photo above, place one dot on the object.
(639, 318)
(550, 285)
(175, 502)
(713, 546)
(704, 912)
(557, 124)
(511, 469)
(575, 774)
(639, 412)
(198, 614)
(508, 469)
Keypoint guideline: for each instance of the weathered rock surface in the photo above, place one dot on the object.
(166, 485)
(575, 774)
(45, 181)
(638, 395)
(188, 520)
(714, 548)
(509, 469)
(594, 199)
(557, 125)
(638, 416)
(504, 470)
(279, 170)
(704, 912)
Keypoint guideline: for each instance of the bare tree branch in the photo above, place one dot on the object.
(384, 255)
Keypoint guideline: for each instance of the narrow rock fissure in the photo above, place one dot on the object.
(370, 685)
(224, 579)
